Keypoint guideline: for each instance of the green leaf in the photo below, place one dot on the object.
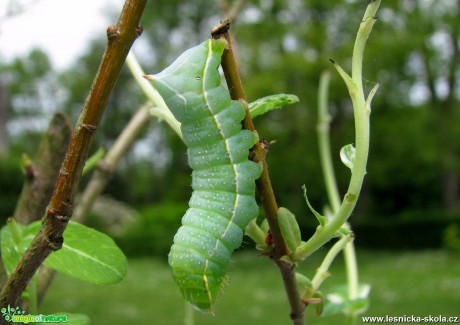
(319, 307)
(11, 252)
(264, 226)
(321, 219)
(338, 301)
(345, 76)
(11, 237)
(289, 228)
(302, 281)
(266, 104)
(86, 254)
(344, 231)
(348, 155)
(348, 307)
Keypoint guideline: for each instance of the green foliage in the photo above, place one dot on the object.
(10, 239)
(289, 228)
(284, 56)
(321, 219)
(268, 103)
(303, 282)
(338, 301)
(276, 55)
(396, 279)
(86, 254)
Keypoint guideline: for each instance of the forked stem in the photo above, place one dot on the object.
(263, 184)
(323, 127)
(361, 109)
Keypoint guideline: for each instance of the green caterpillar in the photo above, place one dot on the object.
(222, 203)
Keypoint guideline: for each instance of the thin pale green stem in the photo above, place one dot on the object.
(342, 212)
(361, 115)
(92, 161)
(364, 31)
(332, 188)
(160, 109)
(323, 271)
(351, 266)
(322, 129)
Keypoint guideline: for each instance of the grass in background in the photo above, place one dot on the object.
(403, 283)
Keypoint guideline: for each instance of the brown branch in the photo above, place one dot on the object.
(41, 175)
(99, 180)
(264, 186)
(49, 237)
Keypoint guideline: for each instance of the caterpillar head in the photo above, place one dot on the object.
(184, 82)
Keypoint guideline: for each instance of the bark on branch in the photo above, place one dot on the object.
(264, 187)
(41, 175)
(59, 211)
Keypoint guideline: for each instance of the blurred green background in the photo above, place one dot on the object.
(410, 199)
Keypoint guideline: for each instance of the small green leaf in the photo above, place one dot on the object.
(348, 307)
(319, 307)
(302, 281)
(266, 104)
(338, 301)
(287, 259)
(16, 230)
(344, 231)
(289, 228)
(11, 252)
(345, 76)
(358, 306)
(348, 155)
(321, 219)
(86, 254)
(333, 308)
(264, 226)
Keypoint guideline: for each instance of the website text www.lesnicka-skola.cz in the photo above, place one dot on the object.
(439, 319)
